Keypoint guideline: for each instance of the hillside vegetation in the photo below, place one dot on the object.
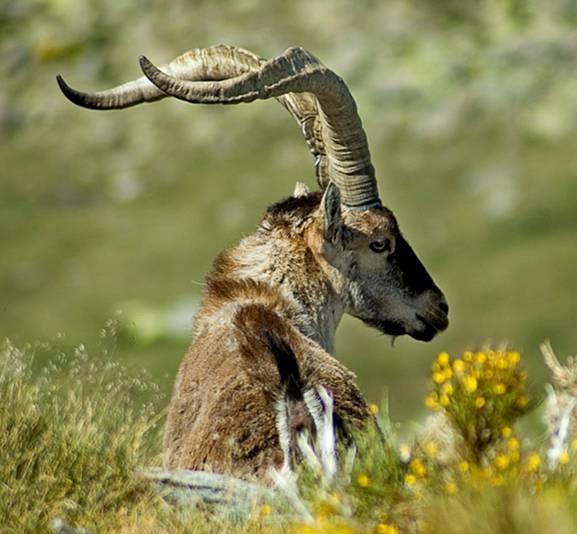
(76, 439)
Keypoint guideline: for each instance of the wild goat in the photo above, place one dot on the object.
(266, 327)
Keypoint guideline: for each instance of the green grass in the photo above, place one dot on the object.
(77, 430)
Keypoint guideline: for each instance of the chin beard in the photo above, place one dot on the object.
(395, 329)
(389, 328)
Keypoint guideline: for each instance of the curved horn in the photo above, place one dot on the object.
(296, 71)
(305, 110)
(215, 63)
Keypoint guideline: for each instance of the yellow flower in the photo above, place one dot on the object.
(479, 402)
(431, 402)
(522, 401)
(418, 468)
(564, 458)
(514, 444)
(410, 480)
(463, 466)
(506, 431)
(373, 408)
(384, 528)
(502, 461)
(533, 462)
(515, 456)
(499, 389)
(447, 373)
(444, 400)
(451, 488)
(470, 383)
(468, 356)
(514, 358)
(447, 389)
(266, 510)
(458, 366)
(438, 378)
(480, 357)
(363, 481)
(443, 359)
(502, 364)
(431, 449)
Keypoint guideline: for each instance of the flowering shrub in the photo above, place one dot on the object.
(482, 394)
(471, 458)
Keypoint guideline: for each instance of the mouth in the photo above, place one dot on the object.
(432, 324)
(429, 325)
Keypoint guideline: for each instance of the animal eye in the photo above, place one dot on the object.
(380, 246)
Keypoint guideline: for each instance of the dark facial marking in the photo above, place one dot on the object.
(414, 276)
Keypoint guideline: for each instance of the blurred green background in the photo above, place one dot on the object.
(471, 112)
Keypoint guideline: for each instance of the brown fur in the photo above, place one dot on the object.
(289, 282)
(222, 414)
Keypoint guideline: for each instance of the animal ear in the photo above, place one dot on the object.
(332, 217)
(301, 190)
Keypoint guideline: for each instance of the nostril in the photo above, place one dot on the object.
(444, 307)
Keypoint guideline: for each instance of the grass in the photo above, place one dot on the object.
(73, 439)
(76, 432)
(469, 110)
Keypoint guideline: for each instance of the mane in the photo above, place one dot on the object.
(293, 209)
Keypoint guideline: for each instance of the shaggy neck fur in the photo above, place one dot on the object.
(278, 257)
(290, 267)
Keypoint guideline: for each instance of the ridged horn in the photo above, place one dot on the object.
(296, 71)
(214, 63)
(218, 63)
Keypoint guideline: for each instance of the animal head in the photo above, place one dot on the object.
(382, 281)
(355, 239)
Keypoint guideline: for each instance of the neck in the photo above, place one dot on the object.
(290, 268)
